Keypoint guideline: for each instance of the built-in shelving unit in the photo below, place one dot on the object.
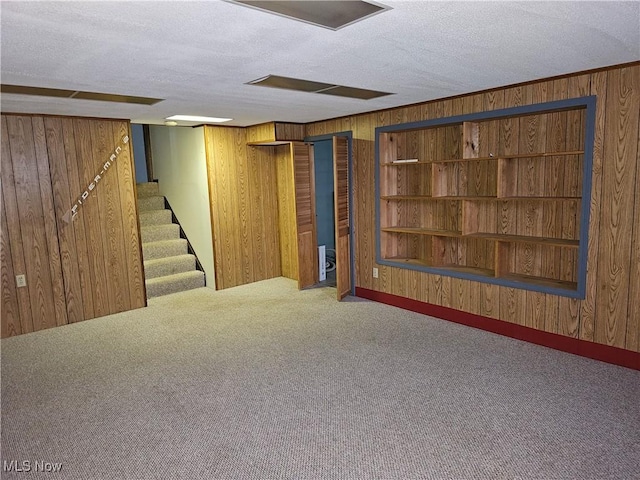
(499, 197)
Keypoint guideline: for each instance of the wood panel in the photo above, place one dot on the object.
(129, 210)
(14, 234)
(268, 134)
(49, 163)
(287, 212)
(364, 209)
(262, 178)
(263, 132)
(40, 284)
(341, 205)
(244, 210)
(75, 231)
(632, 341)
(569, 310)
(90, 216)
(10, 309)
(108, 199)
(226, 236)
(62, 198)
(304, 185)
(289, 131)
(617, 215)
(49, 219)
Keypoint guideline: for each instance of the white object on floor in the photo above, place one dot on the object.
(322, 263)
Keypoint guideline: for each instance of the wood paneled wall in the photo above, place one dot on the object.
(287, 212)
(610, 313)
(244, 206)
(74, 271)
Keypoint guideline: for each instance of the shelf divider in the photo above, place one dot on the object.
(470, 217)
(507, 185)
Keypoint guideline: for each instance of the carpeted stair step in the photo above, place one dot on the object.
(155, 202)
(161, 267)
(156, 233)
(155, 217)
(164, 248)
(174, 283)
(148, 189)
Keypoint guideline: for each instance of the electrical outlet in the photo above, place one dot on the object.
(375, 272)
(21, 281)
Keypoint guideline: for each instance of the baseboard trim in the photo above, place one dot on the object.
(595, 351)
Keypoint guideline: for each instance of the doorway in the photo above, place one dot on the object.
(333, 204)
(325, 214)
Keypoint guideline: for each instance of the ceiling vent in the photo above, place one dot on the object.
(56, 92)
(288, 83)
(330, 14)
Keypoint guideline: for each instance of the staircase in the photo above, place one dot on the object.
(168, 265)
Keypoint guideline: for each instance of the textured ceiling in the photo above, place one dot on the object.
(199, 55)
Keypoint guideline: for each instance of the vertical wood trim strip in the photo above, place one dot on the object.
(10, 203)
(101, 135)
(616, 217)
(31, 217)
(60, 184)
(90, 215)
(588, 307)
(77, 234)
(50, 221)
(632, 341)
(10, 309)
(213, 201)
(129, 212)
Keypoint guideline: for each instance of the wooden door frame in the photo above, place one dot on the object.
(352, 249)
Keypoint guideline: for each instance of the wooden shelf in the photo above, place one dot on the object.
(431, 197)
(406, 197)
(409, 261)
(497, 237)
(269, 143)
(509, 157)
(485, 272)
(478, 198)
(484, 159)
(552, 242)
(539, 198)
(403, 164)
(422, 231)
(540, 281)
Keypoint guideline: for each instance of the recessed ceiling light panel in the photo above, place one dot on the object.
(351, 92)
(329, 14)
(289, 83)
(297, 84)
(77, 94)
(195, 118)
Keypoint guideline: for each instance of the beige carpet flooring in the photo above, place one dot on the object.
(266, 382)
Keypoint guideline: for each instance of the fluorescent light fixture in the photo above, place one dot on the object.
(195, 118)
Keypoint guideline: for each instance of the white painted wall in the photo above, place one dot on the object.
(139, 154)
(180, 166)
